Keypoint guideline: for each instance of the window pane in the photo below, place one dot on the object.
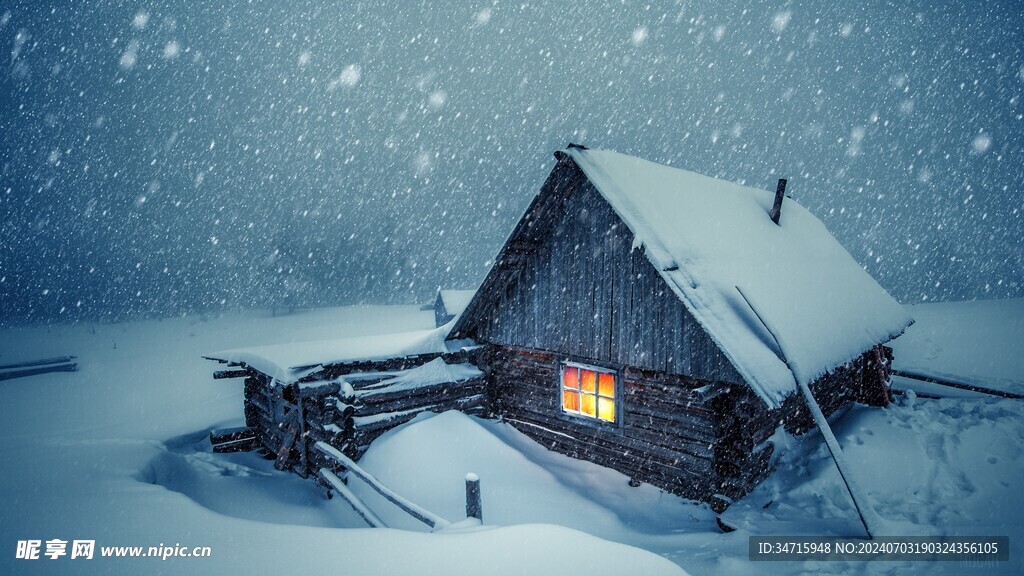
(607, 385)
(589, 405)
(606, 409)
(571, 377)
(589, 381)
(571, 401)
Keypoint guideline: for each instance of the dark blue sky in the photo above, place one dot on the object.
(163, 157)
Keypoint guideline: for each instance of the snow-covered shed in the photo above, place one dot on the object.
(657, 321)
(345, 392)
(449, 304)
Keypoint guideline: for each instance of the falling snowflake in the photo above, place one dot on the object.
(483, 17)
(348, 78)
(639, 35)
(781, 20)
(437, 99)
(171, 50)
(140, 20)
(981, 143)
(130, 55)
(423, 163)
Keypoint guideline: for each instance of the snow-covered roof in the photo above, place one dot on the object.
(455, 301)
(715, 246)
(290, 362)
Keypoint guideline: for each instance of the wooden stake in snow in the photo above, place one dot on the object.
(780, 193)
(868, 517)
(474, 508)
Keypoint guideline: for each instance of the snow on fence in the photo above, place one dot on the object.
(953, 384)
(345, 464)
(31, 368)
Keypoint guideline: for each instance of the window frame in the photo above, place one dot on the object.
(579, 417)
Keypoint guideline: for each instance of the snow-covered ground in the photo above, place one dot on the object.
(977, 343)
(117, 452)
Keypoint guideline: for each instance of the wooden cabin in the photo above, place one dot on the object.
(656, 321)
(646, 318)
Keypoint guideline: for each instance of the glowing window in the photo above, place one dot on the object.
(588, 392)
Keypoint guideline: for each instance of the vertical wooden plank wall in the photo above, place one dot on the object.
(576, 285)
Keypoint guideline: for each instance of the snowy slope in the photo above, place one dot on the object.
(978, 343)
(118, 453)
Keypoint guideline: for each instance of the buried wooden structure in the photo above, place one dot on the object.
(33, 367)
(345, 406)
(618, 326)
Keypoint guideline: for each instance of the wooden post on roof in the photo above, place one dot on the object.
(780, 193)
(474, 508)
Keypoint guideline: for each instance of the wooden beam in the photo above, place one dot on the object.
(952, 384)
(868, 517)
(335, 483)
(225, 374)
(21, 373)
(410, 508)
(43, 362)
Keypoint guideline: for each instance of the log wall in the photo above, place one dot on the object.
(569, 279)
(694, 438)
(347, 413)
(666, 436)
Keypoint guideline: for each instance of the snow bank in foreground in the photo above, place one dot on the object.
(977, 343)
(118, 452)
(948, 467)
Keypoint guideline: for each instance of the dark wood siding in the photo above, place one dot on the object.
(573, 283)
(666, 435)
(288, 420)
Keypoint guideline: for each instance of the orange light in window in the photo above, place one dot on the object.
(571, 378)
(589, 381)
(589, 405)
(571, 401)
(606, 409)
(606, 385)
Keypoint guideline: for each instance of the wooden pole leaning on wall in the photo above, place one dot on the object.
(474, 507)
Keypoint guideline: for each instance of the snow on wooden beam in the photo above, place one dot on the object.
(335, 483)
(226, 374)
(410, 508)
(22, 369)
(868, 517)
(780, 193)
(953, 384)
